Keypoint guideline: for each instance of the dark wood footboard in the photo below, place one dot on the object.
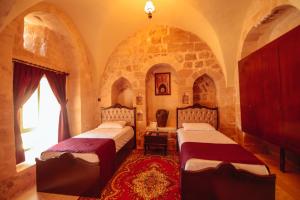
(73, 176)
(225, 182)
(68, 175)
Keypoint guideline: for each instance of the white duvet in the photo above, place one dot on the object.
(217, 138)
(120, 135)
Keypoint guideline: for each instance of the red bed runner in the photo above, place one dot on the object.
(231, 153)
(104, 148)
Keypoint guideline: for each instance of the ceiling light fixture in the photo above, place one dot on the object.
(149, 8)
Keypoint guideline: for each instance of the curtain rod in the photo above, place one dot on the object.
(39, 66)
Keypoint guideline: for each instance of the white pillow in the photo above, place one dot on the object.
(112, 124)
(197, 127)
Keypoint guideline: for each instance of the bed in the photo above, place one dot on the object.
(74, 167)
(212, 166)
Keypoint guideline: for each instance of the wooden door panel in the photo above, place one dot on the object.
(270, 113)
(289, 51)
(249, 93)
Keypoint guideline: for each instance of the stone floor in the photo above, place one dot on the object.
(287, 186)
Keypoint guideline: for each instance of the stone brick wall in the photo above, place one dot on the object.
(187, 55)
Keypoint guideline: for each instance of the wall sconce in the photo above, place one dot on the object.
(139, 99)
(149, 8)
(139, 115)
(185, 98)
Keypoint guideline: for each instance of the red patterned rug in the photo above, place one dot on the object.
(140, 177)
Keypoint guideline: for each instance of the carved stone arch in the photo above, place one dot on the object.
(122, 93)
(155, 102)
(204, 91)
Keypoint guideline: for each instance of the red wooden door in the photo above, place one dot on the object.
(269, 113)
(289, 51)
(249, 92)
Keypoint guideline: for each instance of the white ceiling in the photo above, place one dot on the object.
(103, 24)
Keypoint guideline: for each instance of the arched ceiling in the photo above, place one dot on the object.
(103, 24)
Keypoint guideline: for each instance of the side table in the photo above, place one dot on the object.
(154, 140)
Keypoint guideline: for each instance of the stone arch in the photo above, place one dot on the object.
(255, 15)
(153, 101)
(280, 20)
(80, 96)
(204, 91)
(185, 52)
(121, 92)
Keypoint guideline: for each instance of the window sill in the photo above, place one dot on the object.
(30, 156)
(24, 165)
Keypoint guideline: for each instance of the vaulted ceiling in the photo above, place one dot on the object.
(103, 24)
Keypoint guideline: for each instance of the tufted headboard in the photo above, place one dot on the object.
(197, 114)
(118, 112)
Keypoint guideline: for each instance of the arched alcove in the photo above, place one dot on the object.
(204, 91)
(280, 20)
(122, 93)
(35, 41)
(165, 100)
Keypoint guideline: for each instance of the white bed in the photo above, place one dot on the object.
(120, 135)
(214, 137)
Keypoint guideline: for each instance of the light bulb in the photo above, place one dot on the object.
(149, 8)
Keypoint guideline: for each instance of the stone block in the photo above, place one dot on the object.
(179, 58)
(201, 46)
(210, 62)
(185, 72)
(174, 47)
(203, 55)
(156, 40)
(188, 65)
(187, 47)
(190, 57)
(154, 49)
(199, 64)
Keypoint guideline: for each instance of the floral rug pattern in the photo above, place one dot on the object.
(144, 177)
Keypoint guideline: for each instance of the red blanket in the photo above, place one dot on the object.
(104, 148)
(231, 153)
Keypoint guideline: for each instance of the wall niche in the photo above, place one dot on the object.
(155, 102)
(122, 93)
(204, 91)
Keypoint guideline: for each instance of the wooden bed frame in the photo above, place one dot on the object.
(74, 176)
(225, 181)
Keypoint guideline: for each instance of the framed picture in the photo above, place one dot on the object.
(162, 83)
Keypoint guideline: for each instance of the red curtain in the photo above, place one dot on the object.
(58, 85)
(25, 81)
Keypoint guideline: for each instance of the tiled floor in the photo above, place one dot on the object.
(287, 186)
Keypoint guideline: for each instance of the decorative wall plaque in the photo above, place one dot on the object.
(163, 83)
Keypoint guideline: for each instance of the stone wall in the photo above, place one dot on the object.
(185, 53)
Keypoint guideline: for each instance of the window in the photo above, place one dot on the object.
(39, 121)
(30, 113)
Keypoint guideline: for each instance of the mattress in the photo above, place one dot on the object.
(214, 137)
(120, 135)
